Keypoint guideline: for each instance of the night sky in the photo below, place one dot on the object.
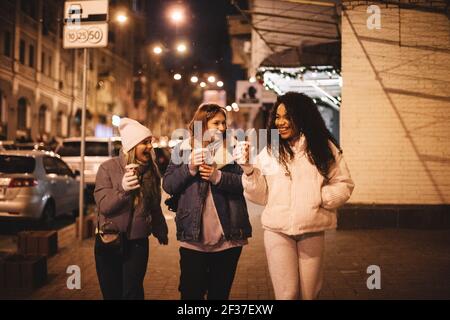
(205, 30)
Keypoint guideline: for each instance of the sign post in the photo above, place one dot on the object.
(85, 26)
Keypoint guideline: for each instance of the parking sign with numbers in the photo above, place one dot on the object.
(85, 24)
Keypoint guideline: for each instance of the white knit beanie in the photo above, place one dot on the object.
(132, 132)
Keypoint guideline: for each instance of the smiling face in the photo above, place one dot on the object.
(284, 124)
(143, 150)
(217, 125)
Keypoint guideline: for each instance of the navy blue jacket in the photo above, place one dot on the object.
(192, 190)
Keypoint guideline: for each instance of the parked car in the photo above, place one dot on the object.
(32, 146)
(97, 151)
(36, 185)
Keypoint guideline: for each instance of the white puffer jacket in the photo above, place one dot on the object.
(303, 204)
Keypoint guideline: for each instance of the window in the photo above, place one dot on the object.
(49, 23)
(62, 70)
(22, 51)
(31, 56)
(16, 164)
(42, 118)
(29, 7)
(43, 63)
(22, 107)
(50, 165)
(56, 166)
(63, 168)
(72, 149)
(50, 67)
(59, 128)
(7, 44)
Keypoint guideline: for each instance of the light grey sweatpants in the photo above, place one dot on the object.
(295, 264)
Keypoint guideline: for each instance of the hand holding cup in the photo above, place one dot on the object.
(130, 180)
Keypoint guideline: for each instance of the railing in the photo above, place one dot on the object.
(6, 63)
(27, 72)
(46, 80)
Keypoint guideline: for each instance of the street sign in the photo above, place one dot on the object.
(86, 36)
(85, 24)
(249, 94)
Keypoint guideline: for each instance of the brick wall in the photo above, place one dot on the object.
(395, 116)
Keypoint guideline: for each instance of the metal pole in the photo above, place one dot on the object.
(83, 137)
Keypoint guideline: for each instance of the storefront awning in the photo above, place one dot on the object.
(296, 32)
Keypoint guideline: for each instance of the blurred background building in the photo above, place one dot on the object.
(41, 83)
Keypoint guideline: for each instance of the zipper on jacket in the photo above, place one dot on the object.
(291, 211)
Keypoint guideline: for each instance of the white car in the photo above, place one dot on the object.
(36, 185)
(97, 151)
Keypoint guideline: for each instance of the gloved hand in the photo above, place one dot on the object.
(130, 180)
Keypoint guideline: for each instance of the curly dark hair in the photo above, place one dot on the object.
(305, 119)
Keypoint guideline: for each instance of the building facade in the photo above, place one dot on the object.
(41, 83)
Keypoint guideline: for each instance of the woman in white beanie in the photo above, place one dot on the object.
(128, 195)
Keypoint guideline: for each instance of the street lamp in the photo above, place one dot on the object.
(115, 120)
(157, 50)
(121, 18)
(211, 79)
(177, 76)
(181, 48)
(194, 79)
(176, 15)
(220, 84)
(202, 84)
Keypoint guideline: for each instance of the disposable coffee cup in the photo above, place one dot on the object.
(132, 167)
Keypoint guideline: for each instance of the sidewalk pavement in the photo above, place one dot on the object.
(415, 264)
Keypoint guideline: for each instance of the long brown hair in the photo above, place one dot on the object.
(204, 113)
(151, 181)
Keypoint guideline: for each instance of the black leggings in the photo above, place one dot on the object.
(123, 278)
(210, 273)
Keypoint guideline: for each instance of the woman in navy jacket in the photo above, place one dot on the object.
(212, 219)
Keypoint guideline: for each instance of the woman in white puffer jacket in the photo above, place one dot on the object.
(301, 181)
